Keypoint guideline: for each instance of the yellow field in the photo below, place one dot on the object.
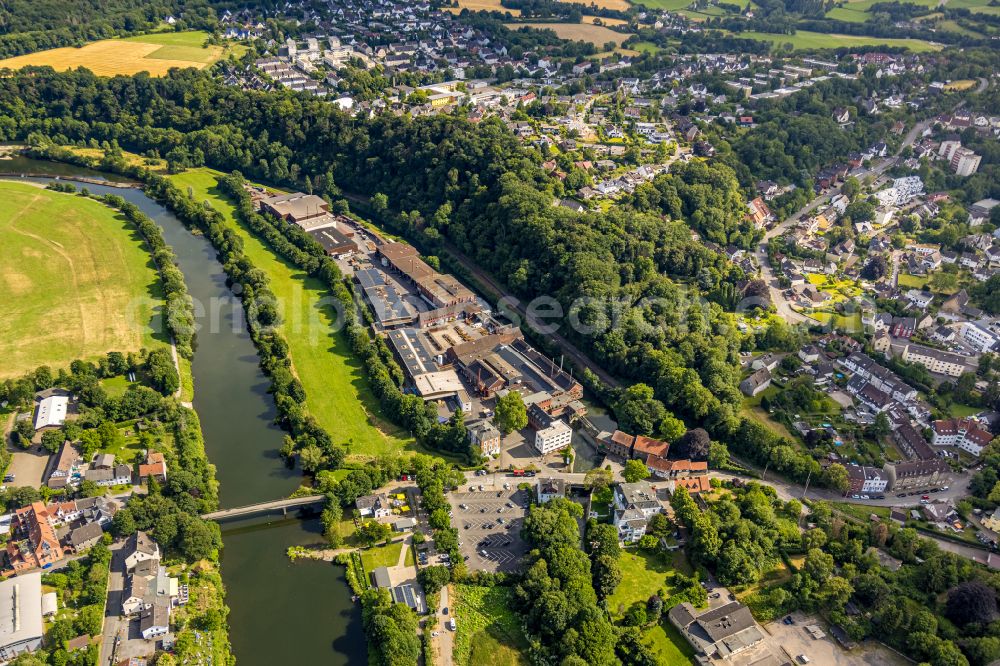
(482, 6)
(604, 21)
(122, 56)
(618, 5)
(578, 32)
(964, 84)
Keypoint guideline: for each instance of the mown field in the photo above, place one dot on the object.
(860, 10)
(337, 390)
(618, 5)
(483, 6)
(76, 281)
(155, 53)
(805, 40)
(578, 32)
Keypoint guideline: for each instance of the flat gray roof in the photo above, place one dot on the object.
(21, 609)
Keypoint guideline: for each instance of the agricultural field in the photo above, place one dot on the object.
(155, 53)
(336, 388)
(617, 5)
(482, 6)
(590, 20)
(76, 281)
(578, 32)
(805, 40)
(668, 5)
(488, 632)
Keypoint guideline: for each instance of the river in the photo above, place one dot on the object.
(281, 613)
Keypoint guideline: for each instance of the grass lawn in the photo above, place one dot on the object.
(805, 40)
(116, 386)
(76, 281)
(337, 391)
(752, 409)
(154, 53)
(912, 281)
(643, 574)
(668, 645)
(381, 556)
(488, 633)
(960, 411)
(845, 323)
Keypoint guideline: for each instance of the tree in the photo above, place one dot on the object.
(971, 602)
(694, 444)
(511, 414)
(638, 412)
(23, 432)
(372, 532)
(836, 477)
(52, 440)
(718, 455)
(635, 470)
(433, 578)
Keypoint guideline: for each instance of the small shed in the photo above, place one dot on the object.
(50, 604)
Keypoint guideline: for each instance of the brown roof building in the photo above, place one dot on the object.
(33, 541)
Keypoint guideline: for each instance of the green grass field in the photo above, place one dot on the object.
(668, 5)
(76, 281)
(488, 631)
(381, 556)
(643, 575)
(337, 390)
(804, 40)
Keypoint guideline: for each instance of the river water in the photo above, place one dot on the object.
(281, 613)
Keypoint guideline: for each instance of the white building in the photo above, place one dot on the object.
(981, 338)
(556, 436)
(139, 548)
(966, 434)
(51, 412)
(867, 479)
(935, 360)
(21, 625)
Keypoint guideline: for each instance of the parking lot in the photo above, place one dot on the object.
(489, 525)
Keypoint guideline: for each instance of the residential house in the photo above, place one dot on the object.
(756, 382)
(33, 542)
(140, 547)
(967, 434)
(549, 489)
(918, 475)
(867, 480)
(155, 467)
(374, 506)
(935, 360)
(485, 436)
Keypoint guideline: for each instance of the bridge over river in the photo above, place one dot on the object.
(262, 508)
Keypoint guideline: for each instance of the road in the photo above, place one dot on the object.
(444, 642)
(787, 490)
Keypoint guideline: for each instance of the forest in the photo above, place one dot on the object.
(35, 25)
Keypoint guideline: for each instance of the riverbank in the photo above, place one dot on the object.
(266, 595)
